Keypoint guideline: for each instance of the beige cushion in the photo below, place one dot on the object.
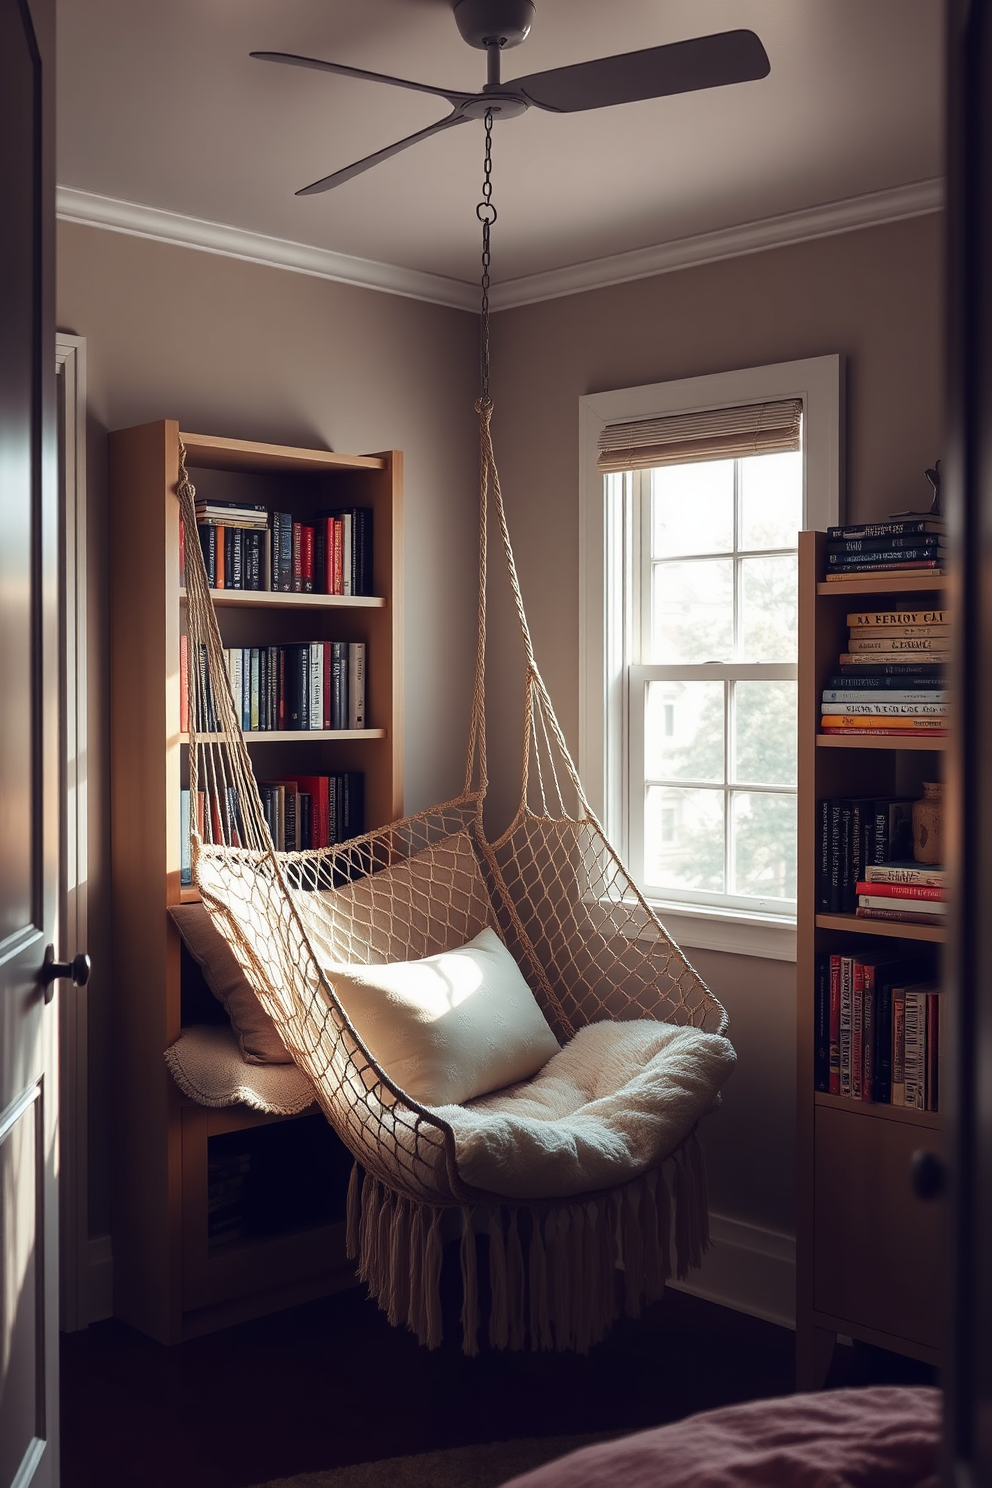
(448, 1027)
(257, 1036)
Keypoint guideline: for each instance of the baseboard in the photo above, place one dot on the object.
(748, 1268)
(100, 1268)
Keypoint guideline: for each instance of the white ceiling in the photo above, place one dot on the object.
(160, 105)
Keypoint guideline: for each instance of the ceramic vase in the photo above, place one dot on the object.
(928, 814)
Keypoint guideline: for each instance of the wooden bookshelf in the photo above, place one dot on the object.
(172, 1279)
(867, 1251)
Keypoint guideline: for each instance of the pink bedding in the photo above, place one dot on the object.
(884, 1437)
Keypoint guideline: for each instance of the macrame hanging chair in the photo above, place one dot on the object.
(581, 1179)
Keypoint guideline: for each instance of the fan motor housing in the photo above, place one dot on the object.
(486, 23)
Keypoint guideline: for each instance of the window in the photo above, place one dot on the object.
(689, 642)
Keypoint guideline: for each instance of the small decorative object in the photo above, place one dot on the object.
(928, 823)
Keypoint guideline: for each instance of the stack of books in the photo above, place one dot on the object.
(890, 680)
(904, 543)
(876, 1030)
(915, 893)
(314, 685)
(304, 812)
(248, 547)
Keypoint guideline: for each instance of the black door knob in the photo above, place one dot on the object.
(927, 1174)
(76, 971)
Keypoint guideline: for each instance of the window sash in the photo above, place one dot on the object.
(637, 783)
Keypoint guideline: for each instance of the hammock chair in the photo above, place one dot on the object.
(574, 1238)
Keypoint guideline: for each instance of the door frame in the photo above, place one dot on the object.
(75, 1302)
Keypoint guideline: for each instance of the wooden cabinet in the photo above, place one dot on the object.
(868, 1251)
(171, 1280)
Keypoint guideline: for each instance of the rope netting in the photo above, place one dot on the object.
(586, 941)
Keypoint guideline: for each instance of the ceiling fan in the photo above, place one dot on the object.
(494, 25)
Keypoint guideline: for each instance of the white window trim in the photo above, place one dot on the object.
(604, 581)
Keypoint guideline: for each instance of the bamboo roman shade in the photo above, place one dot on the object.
(713, 434)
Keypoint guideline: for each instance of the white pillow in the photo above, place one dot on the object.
(449, 1027)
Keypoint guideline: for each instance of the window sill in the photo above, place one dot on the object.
(736, 934)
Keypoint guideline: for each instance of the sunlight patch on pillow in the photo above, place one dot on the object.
(448, 1027)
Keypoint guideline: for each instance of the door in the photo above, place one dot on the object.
(29, 761)
(968, 1403)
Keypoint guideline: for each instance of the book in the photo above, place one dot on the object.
(185, 859)
(932, 564)
(900, 890)
(906, 873)
(886, 696)
(821, 1023)
(880, 901)
(339, 684)
(183, 684)
(892, 541)
(906, 916)
(914, 1058)
(834, 1024)
(318, 789)
(897, 1089)
(845, 1023)
(316, 703)
(903, 723)
(307, 558)
(863, 642)
(356, 685)
(871, 619)
(889, 554)
(297, 551)
(939, 654)
(928, 679)
(931, 1084)
(876, 706)
(894, 527)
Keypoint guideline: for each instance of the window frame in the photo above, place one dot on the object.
(608, 598)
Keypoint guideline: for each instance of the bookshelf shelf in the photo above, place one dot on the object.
(867, 1251)
(881, 741)
(891, 929)
(176, 1274)
(304, 736)
(250, 599)
(929, 1120)
(885, 583)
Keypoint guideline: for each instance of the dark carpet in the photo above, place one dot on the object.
(331, 1384)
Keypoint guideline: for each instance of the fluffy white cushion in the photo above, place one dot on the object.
(616, 1101)
(451, 1026)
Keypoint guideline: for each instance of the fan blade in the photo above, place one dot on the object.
(656, 72)
(338, 178)
(359, 72)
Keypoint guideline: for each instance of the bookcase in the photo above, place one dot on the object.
(172, 1280)
(868, 1251)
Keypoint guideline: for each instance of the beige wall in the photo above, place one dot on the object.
(235, 349)
(873, 295)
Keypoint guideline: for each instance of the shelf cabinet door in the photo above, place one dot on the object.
(878, 1247)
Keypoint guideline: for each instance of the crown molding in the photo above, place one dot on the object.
(236, 242)
(895, 204)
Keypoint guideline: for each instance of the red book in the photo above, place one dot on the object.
(338, 556)
(306, 558)
(318, 788)
(183, 685)
(857, 1030)
(901, 891)
(281, 722)
(219, 571)
(835, 1025)
(297, 584)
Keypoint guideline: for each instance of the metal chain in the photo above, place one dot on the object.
(486, 214)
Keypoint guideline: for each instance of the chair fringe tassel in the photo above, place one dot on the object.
(559, 1275)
